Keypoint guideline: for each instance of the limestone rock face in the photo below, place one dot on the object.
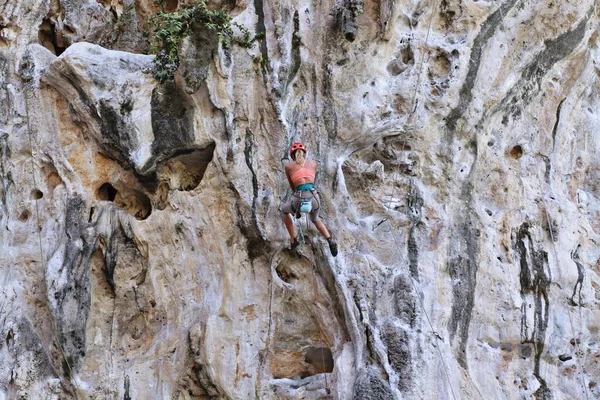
(142, 253)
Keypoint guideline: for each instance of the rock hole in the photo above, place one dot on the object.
(106, 192)
(407, 55)
(91, 214)
(24, 217)
(49, 39)
(285, 274)
(564, 357)
(36, 194)
(441, 64)
(525, 350)
(516, 152)
(320, 358)
(185, 169)
(9, 337)
(133, 201)
(489, 212)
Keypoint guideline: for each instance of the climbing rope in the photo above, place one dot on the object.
(548, 220)
(314, 281)
(388, 210)
(41, 249)
(576, 340)
(414, 99)
(420, 301)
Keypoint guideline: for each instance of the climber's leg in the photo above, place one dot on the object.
(286, 210)
(314, 217)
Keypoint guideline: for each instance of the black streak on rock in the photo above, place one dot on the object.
(405, 299)
(369, 385)
(262, 43)
(172, 119)
(487, 30)
(109, 128)
(121, 244)
(554, 51)
(399, 355)
(415, 203)
(350, 12)
(296, 43)
(580, 276)
(73, 299)
(329, 114)
(463, 273)
(535, 281)
(248, 158)
(126, 384)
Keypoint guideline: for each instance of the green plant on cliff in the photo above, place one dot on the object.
(170, 28)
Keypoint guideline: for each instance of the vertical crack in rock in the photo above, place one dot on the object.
(555, 128)
(415, 203)
(580, 276)
(72, 292)
(248, 158)
(487, 30)
(535, 281)
(256, 245)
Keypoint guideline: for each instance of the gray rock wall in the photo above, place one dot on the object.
(141, 250)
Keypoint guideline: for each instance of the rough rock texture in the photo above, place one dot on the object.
(141, 251)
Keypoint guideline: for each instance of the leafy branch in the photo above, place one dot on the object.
(171, 28)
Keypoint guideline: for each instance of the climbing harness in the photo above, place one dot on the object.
(39, 230)
(305, 203)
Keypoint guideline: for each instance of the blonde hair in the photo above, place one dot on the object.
(299, 155)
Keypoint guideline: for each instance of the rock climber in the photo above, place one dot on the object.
(301, 176)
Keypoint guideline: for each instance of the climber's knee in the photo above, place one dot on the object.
(314, 217)
(286, 209)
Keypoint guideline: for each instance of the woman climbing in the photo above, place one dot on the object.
(301, 177)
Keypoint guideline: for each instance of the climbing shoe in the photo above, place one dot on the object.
(332, 247)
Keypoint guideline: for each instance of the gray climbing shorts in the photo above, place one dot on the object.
(293, 206)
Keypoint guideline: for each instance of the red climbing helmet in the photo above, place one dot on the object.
(295, 147)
